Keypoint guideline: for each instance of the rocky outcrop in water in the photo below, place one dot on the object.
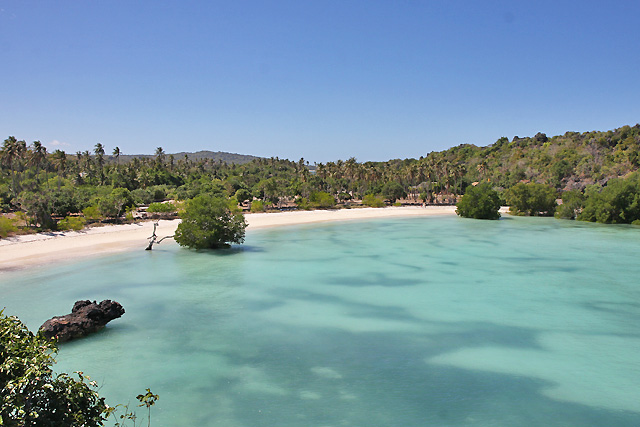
(86, 317)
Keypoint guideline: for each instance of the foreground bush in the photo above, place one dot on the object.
(479, 202)
(209, 223)
(31, 394)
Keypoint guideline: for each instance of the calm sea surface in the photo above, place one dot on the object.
(411, 322)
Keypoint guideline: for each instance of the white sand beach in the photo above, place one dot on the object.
(37, 249)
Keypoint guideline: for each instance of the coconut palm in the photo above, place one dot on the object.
(116, 153)
(38, 157)
(99, 152)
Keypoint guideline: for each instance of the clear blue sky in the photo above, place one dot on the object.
(323, 79)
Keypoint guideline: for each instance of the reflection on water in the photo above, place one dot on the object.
(422, 321)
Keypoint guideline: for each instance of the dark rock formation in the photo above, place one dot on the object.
(86, 317)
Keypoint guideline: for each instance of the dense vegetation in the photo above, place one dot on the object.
(209, 222)
(41, 189)
(31, 393)
(479, 202)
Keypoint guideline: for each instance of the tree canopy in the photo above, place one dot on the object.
(479, 202)
(531, 199)
(208, 222)
(46, 187)
(617, 203)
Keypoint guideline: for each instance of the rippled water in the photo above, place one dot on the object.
(411, 322)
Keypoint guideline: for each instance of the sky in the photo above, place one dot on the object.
(317, 79)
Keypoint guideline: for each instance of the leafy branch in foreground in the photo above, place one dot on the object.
(31, 394)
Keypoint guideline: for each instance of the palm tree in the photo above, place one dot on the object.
(99, 152)
(160, 156)
(116, 153)
(38, 157)
(12, 157)
(60, 162)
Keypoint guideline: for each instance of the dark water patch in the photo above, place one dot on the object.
(377, 279)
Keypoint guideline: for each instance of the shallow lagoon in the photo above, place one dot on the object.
(406, 322)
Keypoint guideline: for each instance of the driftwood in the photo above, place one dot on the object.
(86, 317)
(154, 238)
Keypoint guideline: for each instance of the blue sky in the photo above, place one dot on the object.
(323, 80)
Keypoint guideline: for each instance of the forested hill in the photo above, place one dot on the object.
(570, 161)
(223, 156)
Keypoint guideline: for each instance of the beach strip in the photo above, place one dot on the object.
(43, 248)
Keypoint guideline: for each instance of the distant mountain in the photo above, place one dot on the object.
(198, 155)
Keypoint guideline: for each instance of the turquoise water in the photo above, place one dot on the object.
(407, 322)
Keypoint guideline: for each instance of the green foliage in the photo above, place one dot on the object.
(479, 202)
(617, 203)
(572, 205)
(303, 203)
(159, 193)
(373, 201)
(161, 208)
(208, 223)
(72, 223)
(561, 169)
(5, 198)
(242, 195)
(321, 199)
(257, 206)
(91, 213)
(31, 394)
(7, 225)
(147, 400)
(393, 191)
(56, 184)
(39, 206)
(142, 196)
(200, 186)
(531, 199)
(115, 204)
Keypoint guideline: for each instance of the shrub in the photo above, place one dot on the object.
(208, 223)
(115, 203)
(572, 204)
(321, 199)
(531, 199)
(31, 393)
(72, 223)
(257, 206)
(92, 213)
(142, 196)
(393, 191)
(373, 201)
(303, 203)
(7, 225)
(479, 202)
(161, 208)
(617, 203)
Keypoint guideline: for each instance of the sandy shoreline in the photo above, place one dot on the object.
(38, 249)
